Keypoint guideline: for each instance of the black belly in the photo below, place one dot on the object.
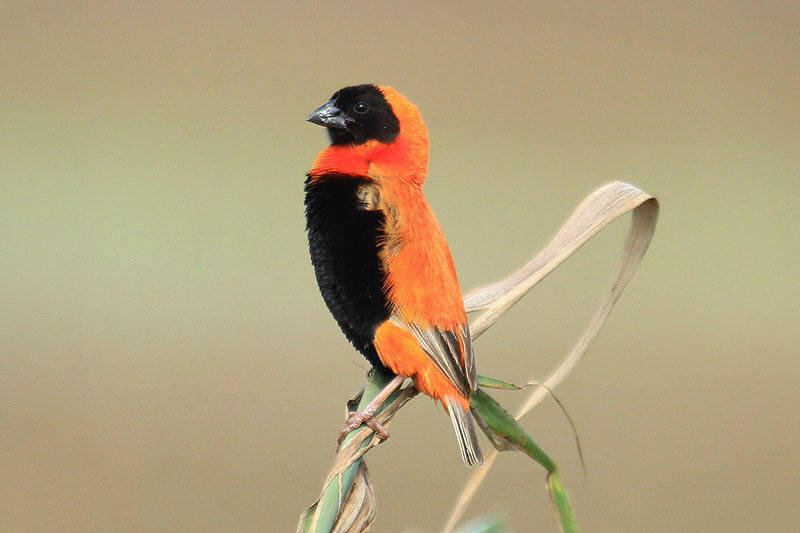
(344, 240)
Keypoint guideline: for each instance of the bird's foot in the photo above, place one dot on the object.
(365, 416)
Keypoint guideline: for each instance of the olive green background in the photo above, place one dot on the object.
(167, 363)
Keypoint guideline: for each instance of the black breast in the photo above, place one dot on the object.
(344, 240)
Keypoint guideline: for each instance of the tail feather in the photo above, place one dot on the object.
(466, 433)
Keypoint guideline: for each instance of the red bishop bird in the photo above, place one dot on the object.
(380, 258)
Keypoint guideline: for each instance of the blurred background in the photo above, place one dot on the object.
(167, 364)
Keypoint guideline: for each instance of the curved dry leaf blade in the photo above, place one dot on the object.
(643, 225)
(598, 210)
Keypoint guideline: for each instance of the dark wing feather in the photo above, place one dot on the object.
(469, 357)
(444, 348)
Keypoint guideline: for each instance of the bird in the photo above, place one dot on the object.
(380, 258)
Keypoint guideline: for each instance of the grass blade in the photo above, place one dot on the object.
(492, 383)
(561, 502)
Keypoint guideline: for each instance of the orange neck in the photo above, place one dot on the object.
(404, 158)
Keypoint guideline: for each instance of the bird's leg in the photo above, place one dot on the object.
(367, 414)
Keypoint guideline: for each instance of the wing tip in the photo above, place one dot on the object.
(466, 433)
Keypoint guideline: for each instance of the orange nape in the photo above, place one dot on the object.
(400, 351)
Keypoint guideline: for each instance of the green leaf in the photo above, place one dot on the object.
(561, 501)
(505, 433)
(501, 427)
(493, 383)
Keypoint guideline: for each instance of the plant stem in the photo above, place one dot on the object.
(337, 489)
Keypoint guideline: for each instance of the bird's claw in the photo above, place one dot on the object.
(367, 417)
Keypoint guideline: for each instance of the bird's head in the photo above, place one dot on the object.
(357, 114)
(378, 125)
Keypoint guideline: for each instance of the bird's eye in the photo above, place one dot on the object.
(361, 108)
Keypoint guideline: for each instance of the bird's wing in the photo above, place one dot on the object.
(450, 351)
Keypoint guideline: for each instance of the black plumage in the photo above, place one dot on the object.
(344, 240)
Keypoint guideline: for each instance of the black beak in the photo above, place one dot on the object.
(329, 116)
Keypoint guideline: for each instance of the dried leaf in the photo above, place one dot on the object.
(598, 210)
